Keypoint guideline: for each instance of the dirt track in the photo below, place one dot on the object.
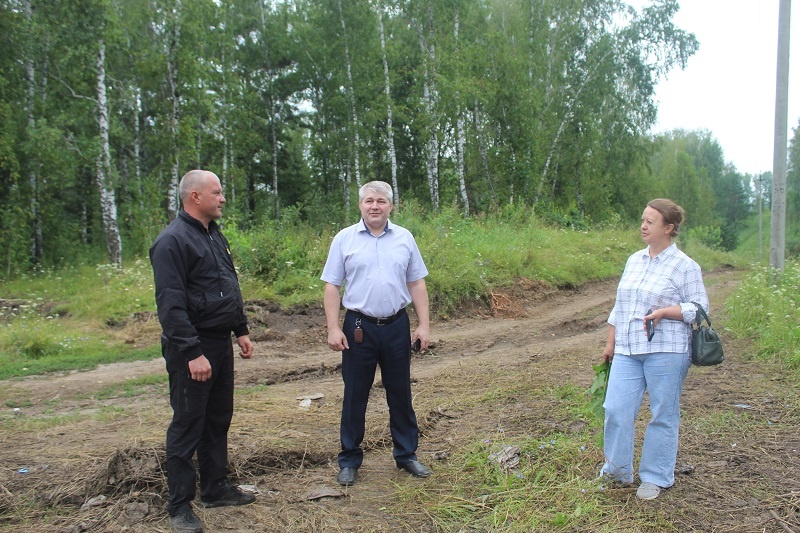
(740, 479)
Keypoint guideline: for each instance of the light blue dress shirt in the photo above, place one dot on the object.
(670, 278)
(374, 270)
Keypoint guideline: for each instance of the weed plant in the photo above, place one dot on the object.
(766, 309)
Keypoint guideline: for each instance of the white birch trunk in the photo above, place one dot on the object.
(351, 90)
(172, 74)
(275, 166)
(108, 203)
(137, 146)
(274, 117)
(33, 178)
(387, 90)
(550, 156)
(429, 97)
(224, 177)
(460, 140)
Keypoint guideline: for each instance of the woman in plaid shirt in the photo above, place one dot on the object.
(659, 284)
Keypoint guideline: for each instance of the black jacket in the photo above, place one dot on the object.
(197, 291)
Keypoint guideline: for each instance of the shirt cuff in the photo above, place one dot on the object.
(194, 352)
(689, 312)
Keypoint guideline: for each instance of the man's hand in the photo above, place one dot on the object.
(336, 340)
(200, 369)
(246, 346)
(424, 336)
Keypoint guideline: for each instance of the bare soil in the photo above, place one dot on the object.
(741, 473)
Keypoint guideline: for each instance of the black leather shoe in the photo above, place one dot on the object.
(347, 476)
(230, 495)
(415, 468)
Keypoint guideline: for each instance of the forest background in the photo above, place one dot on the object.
(473, 105)
(514, 133)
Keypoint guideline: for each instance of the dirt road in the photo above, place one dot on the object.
(486, 372)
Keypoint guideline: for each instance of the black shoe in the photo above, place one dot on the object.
(186, 521)
(415, 468)
(230, 495)
(347, 476)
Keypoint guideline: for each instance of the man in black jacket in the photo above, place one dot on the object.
(199, 305)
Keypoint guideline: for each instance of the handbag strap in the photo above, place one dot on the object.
(702, 313)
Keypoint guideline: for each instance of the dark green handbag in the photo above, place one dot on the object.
(706, 347)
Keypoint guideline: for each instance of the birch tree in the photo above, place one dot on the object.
(460, 134)
(430, 99)
(388, 92)
(352, 94)
(33, 178)
(105, 186)
(173, 38)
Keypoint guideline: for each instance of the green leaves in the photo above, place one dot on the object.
(597, 392)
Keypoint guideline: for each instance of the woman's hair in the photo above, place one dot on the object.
(380, 187)
(672, 213)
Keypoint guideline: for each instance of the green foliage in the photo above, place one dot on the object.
(284, 101)
(766, 309)
(571, 218)
(284, 259)
(708, 236)
(598, 389)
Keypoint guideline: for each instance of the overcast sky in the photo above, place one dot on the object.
(728, 86)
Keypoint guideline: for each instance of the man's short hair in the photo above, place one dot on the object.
(191, 181)
(380, 187)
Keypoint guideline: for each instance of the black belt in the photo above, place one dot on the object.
(379, 321)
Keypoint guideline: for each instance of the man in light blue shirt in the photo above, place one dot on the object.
(382, 271)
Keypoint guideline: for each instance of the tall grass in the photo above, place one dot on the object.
(766, 309)
(74, 318)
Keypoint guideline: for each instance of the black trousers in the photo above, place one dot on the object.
(202, 413)
(390, 347)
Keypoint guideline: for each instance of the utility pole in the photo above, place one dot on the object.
(777, 245)
(760, 219)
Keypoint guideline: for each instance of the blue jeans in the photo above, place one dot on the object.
(662, 374)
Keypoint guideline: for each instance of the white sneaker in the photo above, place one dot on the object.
(648, 491)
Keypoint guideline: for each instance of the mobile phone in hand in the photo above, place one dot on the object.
(651, 330)
(416, 346)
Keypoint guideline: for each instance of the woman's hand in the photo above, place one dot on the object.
(608, 351)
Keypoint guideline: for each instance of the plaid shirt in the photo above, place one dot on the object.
(671, 278)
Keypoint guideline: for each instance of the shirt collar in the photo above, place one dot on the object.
(194, 222)
(365, 228)
(666, 253)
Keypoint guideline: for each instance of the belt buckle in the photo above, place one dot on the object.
(380, 321)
